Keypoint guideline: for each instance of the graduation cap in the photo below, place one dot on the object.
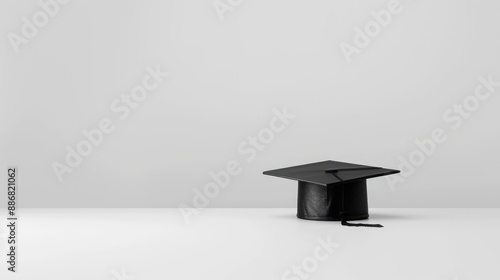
(332, 190)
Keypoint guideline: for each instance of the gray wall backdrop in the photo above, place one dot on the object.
(366, 82)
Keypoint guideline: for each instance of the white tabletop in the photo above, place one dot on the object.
(259, 244)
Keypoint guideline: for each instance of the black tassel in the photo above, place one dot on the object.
(343, 214)
(344, 222)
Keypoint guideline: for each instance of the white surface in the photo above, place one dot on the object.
(254, 244)
(226, 78)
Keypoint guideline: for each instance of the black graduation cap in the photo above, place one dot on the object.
(332, 190)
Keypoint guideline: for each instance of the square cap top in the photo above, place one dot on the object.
(327, 173)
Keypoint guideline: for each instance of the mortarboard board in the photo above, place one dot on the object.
(332, 190)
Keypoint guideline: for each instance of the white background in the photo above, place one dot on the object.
(143, 244)
(226, 77)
